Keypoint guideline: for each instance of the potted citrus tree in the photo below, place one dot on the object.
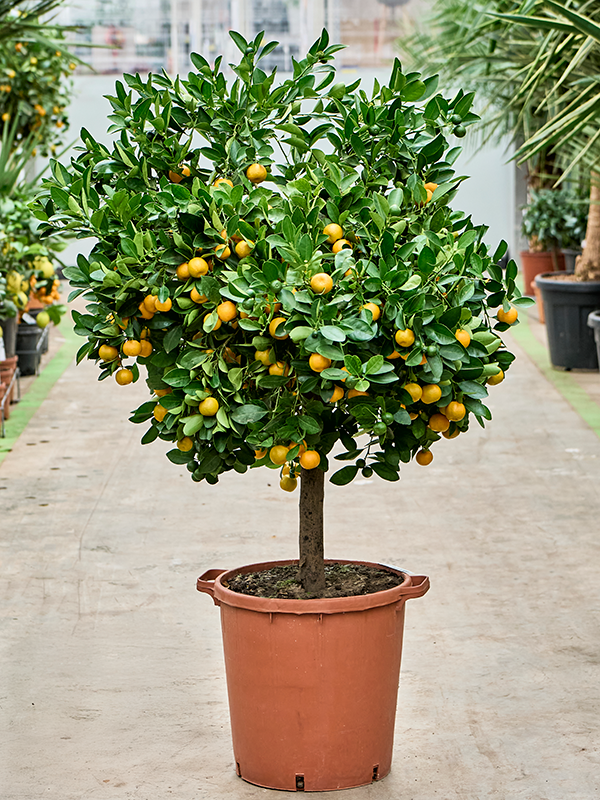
(282, 264)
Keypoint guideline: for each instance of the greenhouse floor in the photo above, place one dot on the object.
(111, 665)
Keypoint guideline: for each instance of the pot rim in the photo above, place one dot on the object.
(212, 583)
(548, 279)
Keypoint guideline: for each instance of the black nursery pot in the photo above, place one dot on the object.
(567, 305)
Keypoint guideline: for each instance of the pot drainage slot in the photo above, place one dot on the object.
(299, 783)
(376, 772)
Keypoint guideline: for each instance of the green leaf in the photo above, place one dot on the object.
(477, 408)
(173, 337)
(473, 389)
(177, 457)
(333, 333)
(344, 476)
(384, 471)
(310, 425)
(374, 364)
(248, 413)
(177, 378)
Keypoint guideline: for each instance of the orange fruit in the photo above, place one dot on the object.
(222, 251)
(278, 454)
(424, 457)
(448, 435)
(509, 316)
(256, 173)
(107, 352)
(175, 177)
(162, 392)
(288, 484)
(185, 444)
(340, 244)
(258, 454)
(160, 412)
(279, 368)
(144, 313)
(405, 337)
(227, 311)
(274, 325)
(223, 180)
(374, 309)
(310, 459)
(355, 393)
(150, 302)
(431, 186)
(264, 356)
(431, 393)
(243, 249)
(197, 267)
(393, 355)
(494, 380)
(414, 390)
(429, 195)
(132, 348)
(197, 297)
(146, 348)
(333, 232)
(183, 271)
(321, 283)
(338, 393)
(439, 423)
(209, 407)
(124, 376)
(455, 411)
(166, 306)
(318, 363)
(463, 336)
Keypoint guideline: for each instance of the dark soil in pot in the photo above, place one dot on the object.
(342, 580)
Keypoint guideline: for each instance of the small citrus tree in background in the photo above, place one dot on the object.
(332, 299)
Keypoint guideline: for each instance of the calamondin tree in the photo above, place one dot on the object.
(282, 262)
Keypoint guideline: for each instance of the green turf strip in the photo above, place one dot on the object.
(22, 412)
(573, 393)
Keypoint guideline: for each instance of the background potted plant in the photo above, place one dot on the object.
(328, 308)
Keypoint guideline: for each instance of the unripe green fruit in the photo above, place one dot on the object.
(367, 472)
(460, 131)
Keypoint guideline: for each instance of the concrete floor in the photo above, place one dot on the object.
(111, 668)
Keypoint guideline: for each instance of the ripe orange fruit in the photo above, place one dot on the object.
(146, 348)
(209, 407)
(132, 348)
(404, 337)
(197, 267)
(431, 393)
(431, 186)
(160, 412)
(455, 411)
(274, 325)
(340, 244)
(166, 306)
(107, 352)
(463, 336)
(223, 180)
(185, 444)
(355, 393)
(318, 363)
(310, 459)
(243, 249)
(509, 316)
(414, 390)
(429, 195)
(439, 423)
(150, 302)
(256, 173)
(279, 368)
(424, 457)
(162, 392)
(175, 177)
(258, 454)
(227, 311)
(393, 355)
(494, 380)
(123, 322)
(288, 484)
(222, 251)
(183, 271)
(144, 313)
(197, 297)
(217, 324)
(321, 283)
(124, 376)
(374, 309)
(448, 435)
(278, 454)
(338, 393)
(333, 231)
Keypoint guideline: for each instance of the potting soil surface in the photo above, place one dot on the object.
(342, 580)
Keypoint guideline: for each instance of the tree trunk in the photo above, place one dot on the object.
(311, 568)
(587, 265)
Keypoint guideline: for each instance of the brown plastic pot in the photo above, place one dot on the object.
(312, 684)
(533, 264)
